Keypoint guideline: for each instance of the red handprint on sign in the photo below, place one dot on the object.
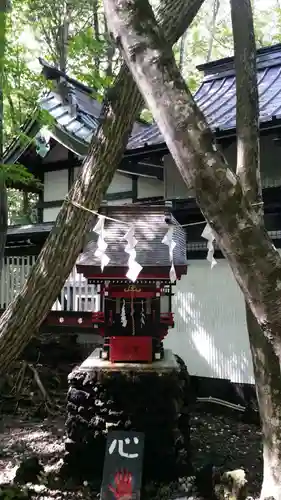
(122, 489)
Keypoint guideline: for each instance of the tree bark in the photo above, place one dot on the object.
(96, 31)
(265, 361)
(3, 191)
(247, 108)
(216, 8)
(25, 314)
(253, 258)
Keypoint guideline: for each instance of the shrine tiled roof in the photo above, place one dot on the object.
(76, 110)
(150, 229)
(216, 96)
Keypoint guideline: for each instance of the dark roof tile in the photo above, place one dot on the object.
(216, 95)
(150, 228)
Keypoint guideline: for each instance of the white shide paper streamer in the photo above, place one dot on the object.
(209, 236)
(134, 267)
(168, 240)
(123, 315)
(102, 245)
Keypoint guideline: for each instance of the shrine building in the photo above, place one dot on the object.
(199, 315)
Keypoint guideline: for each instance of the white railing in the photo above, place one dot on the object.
(14, 273)
(76, 294)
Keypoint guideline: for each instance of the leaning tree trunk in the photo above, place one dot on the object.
(267, 377)
(3, 190)
(254, 260)
(3, 219)
(265, 360)
(25, 314)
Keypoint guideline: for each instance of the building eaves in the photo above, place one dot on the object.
(216, 96)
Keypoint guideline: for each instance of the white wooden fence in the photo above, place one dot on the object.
(76, 295)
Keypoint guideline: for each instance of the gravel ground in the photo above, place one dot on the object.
(215, 438)
(222, 439)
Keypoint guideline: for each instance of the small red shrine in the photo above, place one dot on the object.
(134, 317)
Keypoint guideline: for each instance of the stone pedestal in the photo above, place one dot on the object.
(147, 398)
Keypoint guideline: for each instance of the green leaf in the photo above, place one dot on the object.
(16, 173)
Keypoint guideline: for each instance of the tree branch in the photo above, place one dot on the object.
(247, 106)
(216, 7)
(254, 260)
(182, 51)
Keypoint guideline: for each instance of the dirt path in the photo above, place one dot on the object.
(215, 439)
(20, 438)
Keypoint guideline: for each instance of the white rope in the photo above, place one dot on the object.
(129, 225)
(118, 220)
(96, 213)
(193, 224)
(134, 267)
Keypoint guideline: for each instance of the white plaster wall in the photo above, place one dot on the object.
(120, 182)
(148, 188)
(127, 201)
(50, 214)
(55, 185)
(75, 173)
(210, 326)
(174, 187)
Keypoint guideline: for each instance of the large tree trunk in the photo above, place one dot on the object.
(57, 258)
(265, 360)
(227, 207)
(267, 378)
(253, 258)
(232, 208)
(3, 191)
(3, 219)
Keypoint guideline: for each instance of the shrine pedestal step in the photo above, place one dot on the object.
(145, 398)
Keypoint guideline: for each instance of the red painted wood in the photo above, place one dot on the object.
(167, 318)
(142, 294)
(98, 317)
(78, 320)
(129, 349)
(149, 273)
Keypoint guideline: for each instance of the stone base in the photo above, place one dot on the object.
(141, 397)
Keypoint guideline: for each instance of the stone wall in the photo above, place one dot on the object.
(149, 401)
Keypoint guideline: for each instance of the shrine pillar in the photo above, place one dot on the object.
(141, 397)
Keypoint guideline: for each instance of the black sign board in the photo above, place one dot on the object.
(122, 471)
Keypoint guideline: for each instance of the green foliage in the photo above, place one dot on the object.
(18, 174)
(146, 115)
(72, 35)
(21, 85)
(14, 492)
(267, 18)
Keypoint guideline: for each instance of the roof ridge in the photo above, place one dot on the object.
(52, 73)
(266, 57)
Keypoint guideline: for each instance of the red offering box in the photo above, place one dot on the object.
(130, 349)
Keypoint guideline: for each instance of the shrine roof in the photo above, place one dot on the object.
(216, 96)
(150, 229)
(82, 122)
(75, 107)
